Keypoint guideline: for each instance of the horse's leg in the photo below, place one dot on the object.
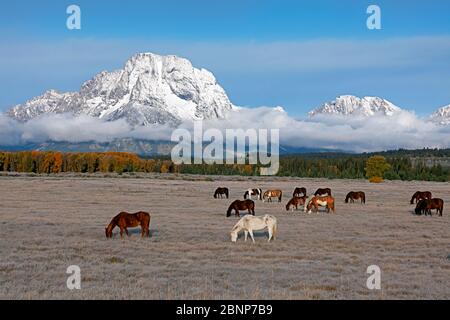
(245, 235)
(126, 231)
(251, 235)
(121, 232)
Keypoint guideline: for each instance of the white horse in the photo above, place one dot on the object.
(253, 192)
(250, 223)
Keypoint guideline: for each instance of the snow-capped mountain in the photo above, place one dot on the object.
(149, 89)
(441, 116)
(351, 105)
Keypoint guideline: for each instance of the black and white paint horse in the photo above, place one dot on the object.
(253, 192)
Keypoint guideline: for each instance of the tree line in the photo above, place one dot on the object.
(399, 166)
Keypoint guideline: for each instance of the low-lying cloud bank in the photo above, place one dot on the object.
(402, 130)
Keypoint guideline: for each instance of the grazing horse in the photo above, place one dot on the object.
(352, 196)
(220, 192)
(426, 205)
(421, 207)
(253, 192)
(241, 205)
(126, 220)
(295, 202)
(273, 193)
(437, 204)
(323, 192)
(299, 192)
(316, 202)
(420, 196)
(250, 223)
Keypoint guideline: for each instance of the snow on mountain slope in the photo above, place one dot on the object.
(150, 89)
(351, 105)
(441, 116)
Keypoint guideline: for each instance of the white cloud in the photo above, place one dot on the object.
(403, 130)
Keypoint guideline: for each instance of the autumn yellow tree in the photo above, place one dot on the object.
(375, 168)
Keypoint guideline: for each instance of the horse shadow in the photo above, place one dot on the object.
(133, 232)
(256, 234)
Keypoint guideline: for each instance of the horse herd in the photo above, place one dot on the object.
(249, 223)
(321, 198)
(425, 203)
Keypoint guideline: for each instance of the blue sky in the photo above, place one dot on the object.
(297, 54)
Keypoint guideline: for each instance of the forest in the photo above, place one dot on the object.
(403, 164)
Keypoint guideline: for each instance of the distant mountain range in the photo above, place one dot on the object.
(351, 105)
(153, 89)
(150, 89)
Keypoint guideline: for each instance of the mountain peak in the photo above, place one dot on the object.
(149, 89)
(441, 116)
(352, 105)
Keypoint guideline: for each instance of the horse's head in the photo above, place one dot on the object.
(287, 206)
(346, 199)
(109, 229)
(108, 232)
(234, 233)
(229, 211)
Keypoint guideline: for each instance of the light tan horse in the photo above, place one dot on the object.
(317, 201)
(269, 194)
(250, 223)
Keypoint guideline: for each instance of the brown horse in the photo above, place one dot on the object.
(273, 193)
(323, 191)
(426, 205)
(126, 220)
(420, 196)
(298, 192)
(295, 202)
(316, 202)
(241, 205)
(352, 196)
(221, 192)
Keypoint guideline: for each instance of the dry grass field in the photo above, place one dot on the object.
(49, 223)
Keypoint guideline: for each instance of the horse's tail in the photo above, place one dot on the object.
(275, 230)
